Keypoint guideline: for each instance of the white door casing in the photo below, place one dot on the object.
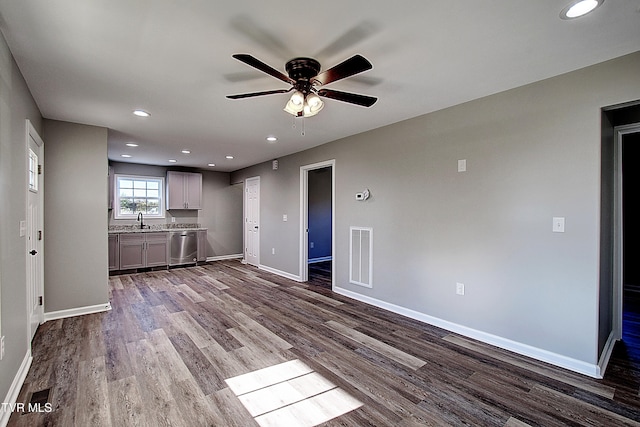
(304, 218)
(618, 239)
(252, 221)
(34, 229)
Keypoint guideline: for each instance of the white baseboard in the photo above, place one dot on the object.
(319, 259)
(16, 385)
(504, 343)
(280, 273)
(606, 354)
(79, 311)
(223, 257)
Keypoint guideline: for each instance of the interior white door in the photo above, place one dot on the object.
(35, 291)
(252, 221)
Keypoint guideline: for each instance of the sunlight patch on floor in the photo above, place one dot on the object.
(290, 393)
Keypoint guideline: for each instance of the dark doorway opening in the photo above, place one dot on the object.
(620, 234)
(320, 256)
(631, 239)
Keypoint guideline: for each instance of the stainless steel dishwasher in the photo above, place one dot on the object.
(184, 247)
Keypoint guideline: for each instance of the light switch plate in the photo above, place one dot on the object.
(462, 165)
(558, 224)
(460, 288)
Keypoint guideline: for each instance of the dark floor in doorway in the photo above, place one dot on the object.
(625, 360)
(320, 274)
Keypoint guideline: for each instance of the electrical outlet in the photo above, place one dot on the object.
(1, 348)
(460, 288)
(173, 219)
(311, 245)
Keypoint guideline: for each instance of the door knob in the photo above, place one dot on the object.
(33, 252)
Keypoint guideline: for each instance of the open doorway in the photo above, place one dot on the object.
(317, 205)
(319, 218)
(630, 157)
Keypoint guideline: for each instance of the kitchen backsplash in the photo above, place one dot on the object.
(159, 227)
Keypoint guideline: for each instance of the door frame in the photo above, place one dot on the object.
(304, 218)
(618, 233)
(32, 133)
(244, 222)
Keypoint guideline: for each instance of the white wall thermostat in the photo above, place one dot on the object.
(364, 195)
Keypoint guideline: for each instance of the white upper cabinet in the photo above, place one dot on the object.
(184, 190)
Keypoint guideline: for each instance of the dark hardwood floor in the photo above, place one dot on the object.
(225, 344)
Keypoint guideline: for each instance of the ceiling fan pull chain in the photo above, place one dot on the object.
(302, 125)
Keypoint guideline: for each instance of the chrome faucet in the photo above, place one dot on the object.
(140, 219)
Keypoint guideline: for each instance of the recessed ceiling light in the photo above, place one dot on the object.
(172, 160)
(131, 144)
(125, 155)
(141, 113)
(272, 139)
(230, 157)
(579, 8)
(211, 164)
(186, 152)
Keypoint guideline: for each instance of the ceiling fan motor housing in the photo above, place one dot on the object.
(302, 70)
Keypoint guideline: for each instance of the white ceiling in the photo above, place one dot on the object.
(94, 61)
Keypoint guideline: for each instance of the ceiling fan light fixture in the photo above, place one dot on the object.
(313, 105)
(297, 98)
(295, 104)
(313, 100)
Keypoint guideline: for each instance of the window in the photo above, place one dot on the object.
(138, 194)
(33, 171)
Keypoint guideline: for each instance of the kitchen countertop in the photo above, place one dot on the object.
(123, 229)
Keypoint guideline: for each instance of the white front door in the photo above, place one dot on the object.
(252, 221)
(34, 229)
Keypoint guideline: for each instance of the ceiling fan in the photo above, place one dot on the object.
(305, 78)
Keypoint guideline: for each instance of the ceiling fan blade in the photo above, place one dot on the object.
(354, 65)
(347, 40)
(352, 98)
(256, 63)
(262, 36)
(252, 94)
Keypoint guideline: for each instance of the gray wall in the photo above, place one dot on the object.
(221, 212)
(16, 105)
(75, 270)
(532, 153)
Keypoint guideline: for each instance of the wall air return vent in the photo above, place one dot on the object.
(360, 256)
